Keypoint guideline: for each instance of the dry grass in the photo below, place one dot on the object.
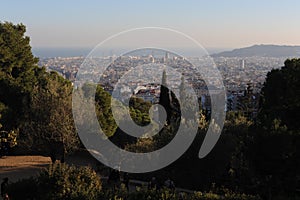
(23, 161)
(20, 167)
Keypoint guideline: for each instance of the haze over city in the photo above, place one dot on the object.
(214, 24)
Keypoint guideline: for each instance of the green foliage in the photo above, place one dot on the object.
(89, 90)
(104, 113)
(140, 104)
(281, 96)
(164, 98)
(143, 145)
(203, 124)
(68, 182)
(24, 189)
(21, 83)
(35, 102)
(17, 67)
(138, 108)
(166, 194)
(248, 103)
(7, 141)
(59, 182)
(237, 126)
(49, 128)
(15, 51)
(259, 157)
(139, 111)
(227, 196)
(275, 156)
(9, 137)
(236, 122)
(275, 150)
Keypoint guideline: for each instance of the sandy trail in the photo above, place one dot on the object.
(19, 167)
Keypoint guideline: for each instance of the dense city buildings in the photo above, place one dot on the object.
(243, 77)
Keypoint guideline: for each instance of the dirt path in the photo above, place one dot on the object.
(19, 167)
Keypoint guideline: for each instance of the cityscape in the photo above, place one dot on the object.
(150, 100)
(238, 74)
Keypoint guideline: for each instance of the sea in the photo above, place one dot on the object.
(51, 52)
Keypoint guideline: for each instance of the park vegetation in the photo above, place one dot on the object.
(259, 157)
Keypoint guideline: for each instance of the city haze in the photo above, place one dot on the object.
(214, 24)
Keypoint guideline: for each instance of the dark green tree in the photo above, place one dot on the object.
(248, 103)
(88, 90)
(17, 74)
(275, 152)
(280, 96)
(139, 111)
(164, 98)
(50, 128)
(33, 101)
(104, 113)
(15, 51)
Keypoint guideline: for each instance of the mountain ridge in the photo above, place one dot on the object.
(262, 50)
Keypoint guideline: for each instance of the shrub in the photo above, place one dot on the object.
(166, 194)
(69, 182)
(59, 182)
(24, 189)
(226, 196)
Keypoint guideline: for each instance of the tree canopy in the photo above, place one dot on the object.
(33, 101)
(18, 67)
(281, 96)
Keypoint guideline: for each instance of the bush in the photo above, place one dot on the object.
(228, 196)
(59, 182)
(24, 189)
(166, 194)
(68, 182)
(63, 182)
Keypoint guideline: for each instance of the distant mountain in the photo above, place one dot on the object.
(262, 51)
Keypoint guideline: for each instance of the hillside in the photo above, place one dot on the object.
(262, 51)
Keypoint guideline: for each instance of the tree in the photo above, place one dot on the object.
(104, 113)
(248, 103)
(50, 128)
(281, 96)
(33, 101)
(139, 111)
(17, 74)
(7, 141)
(15, 51)
(59, 182)
(164, 98)
(237, 127)
(275, 151)
(188, 105)
(18, 68)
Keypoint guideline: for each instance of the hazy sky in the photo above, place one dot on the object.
(213, 23)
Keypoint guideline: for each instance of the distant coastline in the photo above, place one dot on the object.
(51, 52)
(255, 50)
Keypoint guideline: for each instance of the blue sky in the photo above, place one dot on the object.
(213, 23)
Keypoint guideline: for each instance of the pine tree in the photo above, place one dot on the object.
(18, 67)
(164, 98)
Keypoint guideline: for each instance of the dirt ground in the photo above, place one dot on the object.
(20, 167)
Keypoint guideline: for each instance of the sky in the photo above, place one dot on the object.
(213, 23)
